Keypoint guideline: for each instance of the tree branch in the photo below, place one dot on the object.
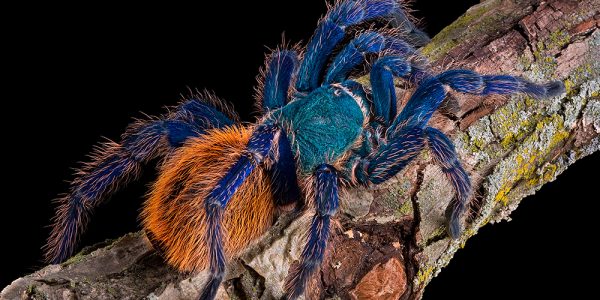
(391, 238)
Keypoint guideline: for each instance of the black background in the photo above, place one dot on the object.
(79, 73)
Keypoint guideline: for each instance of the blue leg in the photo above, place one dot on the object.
(390, 158)
(203, 114)
(354, 53)
(281, 67)
(326, 202)
(116, 164)
(331, 30)
(382, 82)
(258, 148)
(432, 92)
(283, 174)
(445, 156)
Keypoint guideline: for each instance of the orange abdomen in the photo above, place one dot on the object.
(174, 214)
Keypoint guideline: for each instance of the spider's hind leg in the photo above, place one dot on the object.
(279, 73)
(114, 164)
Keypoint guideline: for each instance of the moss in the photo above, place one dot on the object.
(75, 258)
(32, 293)
(446, 39)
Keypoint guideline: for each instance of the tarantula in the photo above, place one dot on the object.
(220, 182)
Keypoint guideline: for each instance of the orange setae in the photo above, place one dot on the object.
(174, 216)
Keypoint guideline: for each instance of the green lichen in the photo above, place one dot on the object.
(480, 134)
(570, 87)
(111, 290)
(405, 209)
(524, 62)
(548, 172)
(557, 40)
(436, 234)
(545, 63)
(512, 122)
(581, 74)
(548, 134)
(424, 275)
(396, 199)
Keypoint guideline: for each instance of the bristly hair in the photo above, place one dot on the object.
(259, 89)
(209, 97)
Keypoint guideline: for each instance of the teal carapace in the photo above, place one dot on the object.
(324, 124)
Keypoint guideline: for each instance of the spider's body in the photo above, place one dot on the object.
(324, 124)
(220, 182)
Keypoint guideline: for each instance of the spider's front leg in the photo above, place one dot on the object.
(280, 70)
(326, 202)
(332, 29)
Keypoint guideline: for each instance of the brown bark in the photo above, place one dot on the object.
(391, 238)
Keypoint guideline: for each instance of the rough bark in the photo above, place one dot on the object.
(391, 238)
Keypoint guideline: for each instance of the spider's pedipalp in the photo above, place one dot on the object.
(326, 201)
(114, 164)
(331, 30)
(445, 156)
(257, 150)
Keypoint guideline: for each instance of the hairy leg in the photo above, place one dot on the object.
(280, 69)
(331, 30)
(326, 204)
(390, 157)
(115, 164)
(355, 52)
(432, 91)
(259, 147)
(445, 156)
(382, 83)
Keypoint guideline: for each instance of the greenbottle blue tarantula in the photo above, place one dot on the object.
(220, 182)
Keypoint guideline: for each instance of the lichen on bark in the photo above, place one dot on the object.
(511, 146)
